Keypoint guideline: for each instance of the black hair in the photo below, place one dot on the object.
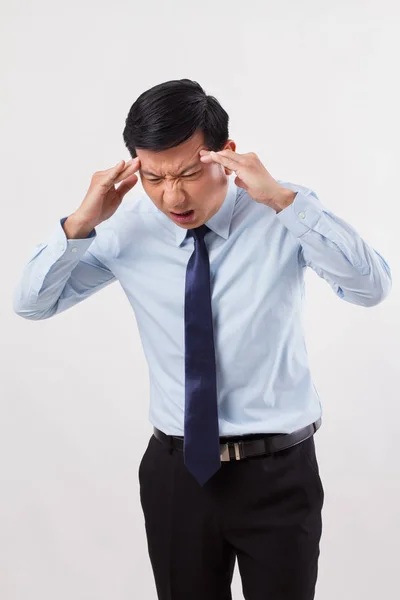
(169, 113)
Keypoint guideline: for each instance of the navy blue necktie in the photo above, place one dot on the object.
(201, 432)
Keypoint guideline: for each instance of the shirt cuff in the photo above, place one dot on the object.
(74, 249)
(302, 214)
(91, 234)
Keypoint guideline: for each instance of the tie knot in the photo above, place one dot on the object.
(199, 232)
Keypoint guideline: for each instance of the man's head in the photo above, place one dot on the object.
(166, 128)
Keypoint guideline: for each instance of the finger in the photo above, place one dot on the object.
(131, 168)
(240, 158)
(221, 159)
(111, 175)
(120, 172)
(127, 185)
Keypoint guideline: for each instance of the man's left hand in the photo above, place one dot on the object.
(252, 176)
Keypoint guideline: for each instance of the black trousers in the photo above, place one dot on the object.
(263, 511)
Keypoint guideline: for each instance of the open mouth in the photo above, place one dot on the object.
(184, 217)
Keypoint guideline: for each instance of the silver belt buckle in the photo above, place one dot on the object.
(225, 452)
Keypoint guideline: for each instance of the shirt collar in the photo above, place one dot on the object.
(221, 221)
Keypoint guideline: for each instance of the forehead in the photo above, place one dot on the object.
(162, 168)
(174, 161)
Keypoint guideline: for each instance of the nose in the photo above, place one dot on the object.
(174, 201)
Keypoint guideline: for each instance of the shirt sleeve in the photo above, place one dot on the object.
(335, 251)
(61, 273)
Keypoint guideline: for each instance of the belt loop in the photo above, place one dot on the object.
(171, 447)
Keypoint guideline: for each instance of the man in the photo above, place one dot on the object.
(231, 470)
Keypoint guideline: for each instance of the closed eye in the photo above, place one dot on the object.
(182, 176)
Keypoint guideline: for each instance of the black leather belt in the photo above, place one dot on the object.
(238, 448)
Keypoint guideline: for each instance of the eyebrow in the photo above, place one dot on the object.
(181, 173)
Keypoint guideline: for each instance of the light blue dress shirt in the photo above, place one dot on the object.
(257, 260)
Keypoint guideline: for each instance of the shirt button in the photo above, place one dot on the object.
(302, 215)
(62, 247)
(73, 250)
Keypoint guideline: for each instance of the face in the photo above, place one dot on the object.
(176, 180)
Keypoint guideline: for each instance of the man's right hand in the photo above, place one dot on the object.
(102, 198)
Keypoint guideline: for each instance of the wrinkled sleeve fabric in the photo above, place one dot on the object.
(335, 251)
(61, 273)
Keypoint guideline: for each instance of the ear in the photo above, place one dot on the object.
(230, 145)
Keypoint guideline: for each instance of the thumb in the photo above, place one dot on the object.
(239, 182)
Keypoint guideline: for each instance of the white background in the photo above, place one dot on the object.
(313, 88)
